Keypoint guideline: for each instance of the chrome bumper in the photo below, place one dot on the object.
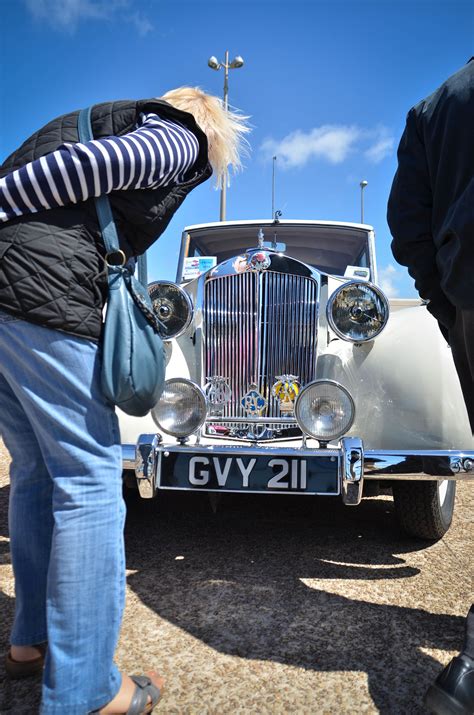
(355, 463)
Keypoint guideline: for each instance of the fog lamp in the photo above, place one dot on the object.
(357, 311)
(181, 409)
(172, 306)
(324, 410)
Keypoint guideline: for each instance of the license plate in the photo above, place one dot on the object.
(219, 472)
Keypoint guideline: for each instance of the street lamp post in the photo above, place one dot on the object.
(214, 64)
(273, 187)
(363, 184)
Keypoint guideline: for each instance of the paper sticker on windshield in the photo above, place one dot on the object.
(363, 274)
(197, 265)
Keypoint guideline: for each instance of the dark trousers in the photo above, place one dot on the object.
(461, 339)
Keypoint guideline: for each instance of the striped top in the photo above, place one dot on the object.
(157, 153)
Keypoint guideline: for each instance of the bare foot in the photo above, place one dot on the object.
(120, 704)
(23, 653)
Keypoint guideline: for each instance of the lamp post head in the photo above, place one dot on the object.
(213, 63)
(363, 184)
(236, 63)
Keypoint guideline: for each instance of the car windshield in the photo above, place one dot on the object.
(331, 249)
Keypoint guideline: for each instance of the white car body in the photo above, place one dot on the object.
(410, 414)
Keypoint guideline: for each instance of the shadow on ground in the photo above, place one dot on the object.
(236, 580)
(249, 582)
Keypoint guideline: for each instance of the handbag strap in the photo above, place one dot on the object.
(102, 204)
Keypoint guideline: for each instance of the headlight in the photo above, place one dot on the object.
(172, 306)
(181, 409)
(357, 311)
(324, 410)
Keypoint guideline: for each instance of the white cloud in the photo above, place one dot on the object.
(65, 15)
(329, 142)
(381, 148)
(388, 278)
(141, 22)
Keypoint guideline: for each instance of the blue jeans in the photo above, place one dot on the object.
(66, 511)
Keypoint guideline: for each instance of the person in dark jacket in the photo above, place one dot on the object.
(66, 508)
(431, 218)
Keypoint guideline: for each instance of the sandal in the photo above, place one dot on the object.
(19, 669)
(139, 704)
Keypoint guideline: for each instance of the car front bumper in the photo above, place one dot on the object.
(354, 464)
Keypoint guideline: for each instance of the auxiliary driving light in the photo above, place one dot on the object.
(181, 409)
(357, 311)
(324, 410)
(172, 306)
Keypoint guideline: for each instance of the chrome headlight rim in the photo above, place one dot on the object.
(188, 301)
(202, 398)
(378, 291)
(334, 383)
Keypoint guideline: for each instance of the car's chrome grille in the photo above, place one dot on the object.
(258, 326)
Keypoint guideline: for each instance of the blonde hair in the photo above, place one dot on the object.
(224, 130)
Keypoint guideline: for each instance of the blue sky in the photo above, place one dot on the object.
(327, 85)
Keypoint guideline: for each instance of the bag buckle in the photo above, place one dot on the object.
(122, 258)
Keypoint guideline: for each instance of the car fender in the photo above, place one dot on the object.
(404, 384)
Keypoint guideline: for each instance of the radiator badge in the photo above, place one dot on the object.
(286, 390)
(253, 402)
(259, 261)
(218, 392)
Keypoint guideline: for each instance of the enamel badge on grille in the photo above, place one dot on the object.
(253, 402)
(218, 391)
(286, 391)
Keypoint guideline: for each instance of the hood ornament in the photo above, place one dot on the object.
(255, 259)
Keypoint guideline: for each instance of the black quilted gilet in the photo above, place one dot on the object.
(52, 270)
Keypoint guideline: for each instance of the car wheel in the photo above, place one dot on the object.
(425, 509)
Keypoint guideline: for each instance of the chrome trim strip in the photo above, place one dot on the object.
(250, 491)
(416, 465)
(250, 451)
(252, 420)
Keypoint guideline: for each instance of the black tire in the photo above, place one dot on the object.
(424, 509)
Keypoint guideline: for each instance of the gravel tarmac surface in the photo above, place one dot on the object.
(279, 604)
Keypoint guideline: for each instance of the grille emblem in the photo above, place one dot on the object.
(218, 392)
(286, 390)
(253, 402)
(258, 261)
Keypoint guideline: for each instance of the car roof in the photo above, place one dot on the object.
(270, 222)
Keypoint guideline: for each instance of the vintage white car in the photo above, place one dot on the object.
(290, 372)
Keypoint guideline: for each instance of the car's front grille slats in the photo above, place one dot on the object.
(258, 326)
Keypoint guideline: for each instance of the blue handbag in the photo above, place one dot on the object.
(133, 360)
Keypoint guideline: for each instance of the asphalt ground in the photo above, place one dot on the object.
(279, 604)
